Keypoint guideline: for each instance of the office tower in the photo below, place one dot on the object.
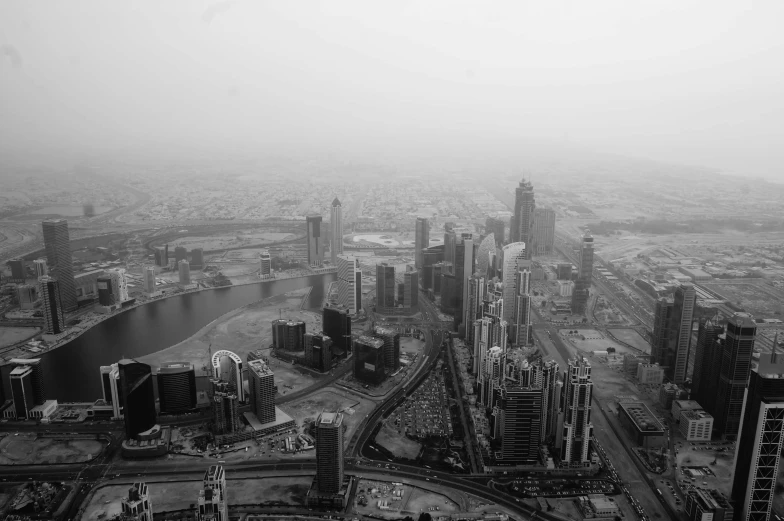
(27, 295)
(369, 360)
(385, 287)
(349, 283)
(489, 331)
(584, 275)
(265, 265)
(225, 416)
(18, 272)
(58, 256)
(315, 241)
(474, 306)
(318, 351)
(497, 228)
(105, 294)
(563, 271)
(41, 269)
(391, 349)
(577, 427)
(704, 383)
(760, 441)
(137, 505)
(522, 222)
(708, 505)
(491, 376)
(544, 231)
(227, 366)
(148, 279)
(662, 345)
(177, 387)
(736, 357)
(684, 302)
(336, 323)
(197, 258)
(288, 334)
(329, 452)
(336, 226)
(119, 284)
(522, 425)
(212, 497)
(51, 305)
(486, 248)
(161, 257)
(514, 259)
(551, 398)
(464, 255)
(22, 390)
(180, 254)
(166, 254)
(136, 389)
(421, 241)
(261, 386)
(411, 290)
(522, 307)
(110, 384)
(185, 272)
(450, 241)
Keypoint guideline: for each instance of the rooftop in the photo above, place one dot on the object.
(175, 367)
(642, 417)
(697, 414)
(330, 418)
(260, 368)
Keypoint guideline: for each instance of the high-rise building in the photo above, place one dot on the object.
(162, 256)
(522, 426)
(450, 242)
(491, 377)
(663, 343)
(105, 295)
(551, 397)
(110, 384)
(736, 357)
(705, 379)
(489, 331)
(18, 271)
(474, 306)
(180, 254)
(514, 259)
(58, 255)
(369, 360)
(497, 228)
(213, 502)
(544, 231)
(391, 349)
(563, 271)
(41, 269)
(225, 415)
(136, 389)
(349, 283)
(261, 386)
(684, 302)
(51, 305)
(315, 241)
(177, 387)
(464, 269)
(318, 351)
(584, 275)
(27, 295)
(522, 306)
(421, 241)
(577, 428)
(761, 435)
(411, 290)
(522, 222)
(22, 390)
(336, 225)
(329, 452)
(288, 334)
(336, 323)
(197, 258)
(265, 265)
(483, 255)
(185, 272)
(137, 505)
(148, 280)
(119, 284)
(385, 287)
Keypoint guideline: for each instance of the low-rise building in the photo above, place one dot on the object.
(670, 392)
(598, 506)
(650, 374)
(678, 406)
(642, 425)
(707, 505)
(696, 425)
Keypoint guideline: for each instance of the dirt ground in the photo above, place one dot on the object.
(330, 399)
(703, 458)
(414, 500)
(420, 500)
(11, 335)
(594, 341)
(632, 337)
(232, 240)
(288, 490)
(27, 449)
(397, 443)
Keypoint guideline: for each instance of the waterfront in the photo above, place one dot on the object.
(71, 372)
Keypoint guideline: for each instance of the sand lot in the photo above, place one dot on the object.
(632, 337)
(229, 240)
(27, 449)
(330, 399)
(397, 443)
(414, 500)
(11, 335)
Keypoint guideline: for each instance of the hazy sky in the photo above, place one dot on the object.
(680, 81)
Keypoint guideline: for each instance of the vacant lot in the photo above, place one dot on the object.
(632, 337)
(330, 399)
(11, 335)
(761, 302)
(28, 449)
(271, 491)
(397, 443)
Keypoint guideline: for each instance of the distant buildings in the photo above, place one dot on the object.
(261, 389)
(315, 241)
(582, 285)
(487, 248)
(58, 255)
(385, 287)
(41, 268)
(421, 241)
(522, 307)
(51, 305)
(369, 360)
(265, 265)
(162, 256)
(138, 397)
(514, 260)
(336, 225)
(148, 280)
(410, 298)
(544, 231)
(137, 505)
(391, 348)
(106, 296)
(349, 283)
(521, 227)
(180, 254)
(177, 387)
(213, 502)
(197, 258)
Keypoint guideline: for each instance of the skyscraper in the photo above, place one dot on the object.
(411, 290)
(329, 452)
(577, 427)
(391, 348)
(18, 270)
(119, 284)
(385, 287)
(707, 365)
(105, 294)
(225, 415)
(497, 228)
(265, 265)
(136, 389)
(760, 441)
(318, 351)
(177, 387)
(489, 331)
(464, 269)
(315, 241)
(184, 272)
(180, 254)
(137, 505)
(684, 302)
(450, 242)
(522, 306)
(336, 225)
(736, 357)
(486, 248)
(421, 241)
(58, 255)
(349, 283)
(551, 397)
(336, 323)
(41, 269)
(212, 497)
(148, 280)
(522, 223)
(662, 345)
(369, 364)
(514, 259)
(474, 306)
(584, 275)
(22, 391)
(261, 387)
(197, 258)
(522, 425)
(544, 231)
(51, 305)
(110, 384)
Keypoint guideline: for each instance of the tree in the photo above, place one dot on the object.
(424, 516)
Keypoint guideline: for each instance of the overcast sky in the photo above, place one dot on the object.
(693, 82)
